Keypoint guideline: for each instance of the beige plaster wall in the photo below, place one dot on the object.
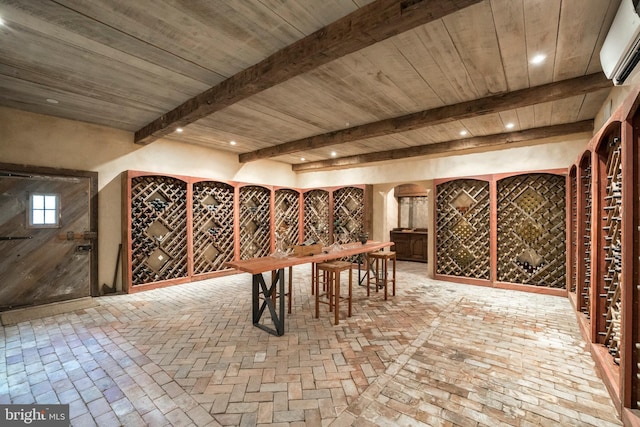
(423, 170)
(616, 97)
(39, 140)
(554, 154)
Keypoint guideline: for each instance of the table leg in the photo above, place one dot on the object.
(336, 296)
(361, 277)
(368, 276)
(260, 287)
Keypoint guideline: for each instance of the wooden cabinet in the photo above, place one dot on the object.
(410, 245)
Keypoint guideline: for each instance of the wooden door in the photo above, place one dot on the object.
(48, 236)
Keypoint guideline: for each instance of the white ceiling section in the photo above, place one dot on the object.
(387, 88)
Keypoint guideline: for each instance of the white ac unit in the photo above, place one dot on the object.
(620, 51)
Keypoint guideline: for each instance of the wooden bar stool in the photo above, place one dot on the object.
(331, 271)
(314, 278)
(379, 265)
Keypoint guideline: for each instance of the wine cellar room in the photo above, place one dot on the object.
(492, 144)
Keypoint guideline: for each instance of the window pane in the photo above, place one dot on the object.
(50, 202)
(50, 217)
(420, 219)
(38, 217)
(37, 201)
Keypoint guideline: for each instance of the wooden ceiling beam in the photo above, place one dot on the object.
(448, 113)
(366, 26)
(450, 146)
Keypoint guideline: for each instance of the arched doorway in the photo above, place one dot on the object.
(411, 233)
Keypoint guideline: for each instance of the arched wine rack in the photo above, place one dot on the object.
(177, 229)
(316, 217)
(255, 217)
(462, 229)
(159, 229)
(213, 236)
(287, 217)
(531, 230)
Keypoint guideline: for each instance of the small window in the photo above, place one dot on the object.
(44, 210)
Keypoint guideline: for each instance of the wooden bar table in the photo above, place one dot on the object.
(258, 266)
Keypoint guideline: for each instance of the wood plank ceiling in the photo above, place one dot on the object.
(292, 79)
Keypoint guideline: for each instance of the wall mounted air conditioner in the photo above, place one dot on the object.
(620, 51)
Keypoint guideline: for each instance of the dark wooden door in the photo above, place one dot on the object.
(47, 236)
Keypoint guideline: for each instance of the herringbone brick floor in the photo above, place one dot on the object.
(437, 354)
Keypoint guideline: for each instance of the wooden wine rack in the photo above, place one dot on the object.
(348, 217)
(177, 229)
(462, 229)
(531, 230)
(158, 229)
(255, 218)
(612, 248)
(585, 184)
(287, 217)
(213, 236)
(316, 216)
(573, 179)
(608, 179)
(348, 214)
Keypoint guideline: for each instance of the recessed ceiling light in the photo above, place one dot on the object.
(538, 59)
(232, 142)
(302, 159)
(333, 154)
(1, 22)
(52, 101)
(463, 132)
(179, 130)
(509, 125)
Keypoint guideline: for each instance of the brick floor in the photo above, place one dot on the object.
(437, 354)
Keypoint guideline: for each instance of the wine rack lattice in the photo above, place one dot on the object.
(255, 233)
(287, 220)
(531, 230)
(585, 184)
(316, 216)
(462, 229)
(574, 232)
(612, 228)
(213, 237)
(348, 216)
(158, 229)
